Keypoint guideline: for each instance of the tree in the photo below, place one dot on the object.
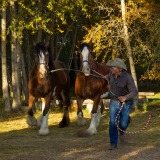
(143, 29)
(129, 51)
(16, 104)
(7, 105)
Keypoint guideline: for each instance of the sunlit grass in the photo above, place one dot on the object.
(156, 96)
(17, 121)
(18, 140)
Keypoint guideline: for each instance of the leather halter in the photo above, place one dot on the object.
(85, 61)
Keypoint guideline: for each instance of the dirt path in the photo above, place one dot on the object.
(18, 142)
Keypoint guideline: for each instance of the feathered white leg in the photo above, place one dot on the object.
(44, 127)
(81, 121)
(31, 121)
(39, 119)
(43, 121)
(98, 117)
(92, 128)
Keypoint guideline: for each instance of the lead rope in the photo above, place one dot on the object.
(136, 132)
(116, 120)
(75, 70)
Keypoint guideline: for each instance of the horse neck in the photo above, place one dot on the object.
(100, 68)
(93, 64)
(34, 73)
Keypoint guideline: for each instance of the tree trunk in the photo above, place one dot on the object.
(129, 51)
(23, 82)
(22, 68)
(52, 38)
(16, 104)
(7, 105)
(74, 41)
(64, 39)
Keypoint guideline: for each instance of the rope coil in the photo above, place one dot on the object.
(134, 132)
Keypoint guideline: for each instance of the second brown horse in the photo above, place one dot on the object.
(89, 85)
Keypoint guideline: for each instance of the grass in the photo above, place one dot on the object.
(155, 98)
(18, 141)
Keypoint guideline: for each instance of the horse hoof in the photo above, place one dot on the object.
(32, 121)
(44, 132)
(81, 121)
(82, 133)
(63, 125)
(91, 131)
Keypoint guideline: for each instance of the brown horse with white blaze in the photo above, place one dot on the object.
(43, 83)
(89, 85)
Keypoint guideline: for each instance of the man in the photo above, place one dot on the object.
(122, 91)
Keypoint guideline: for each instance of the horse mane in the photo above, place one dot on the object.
(41, 46)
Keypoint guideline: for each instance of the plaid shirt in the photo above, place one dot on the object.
(123, 85)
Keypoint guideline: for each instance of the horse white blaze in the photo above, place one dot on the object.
(86, 68)
(42, 68)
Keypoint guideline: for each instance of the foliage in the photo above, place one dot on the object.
(98, 21)
(152, 74)
(144, 31)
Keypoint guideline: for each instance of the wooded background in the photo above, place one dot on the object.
(127, 29)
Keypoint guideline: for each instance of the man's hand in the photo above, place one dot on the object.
(105, 77)
(122, 98)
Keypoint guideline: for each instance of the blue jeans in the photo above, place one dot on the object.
(114, 107)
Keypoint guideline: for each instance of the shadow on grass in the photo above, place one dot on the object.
(63, 144)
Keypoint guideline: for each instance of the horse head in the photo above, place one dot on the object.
(42, 59)
(85, 58)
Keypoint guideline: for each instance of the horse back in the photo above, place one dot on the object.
(61, 74)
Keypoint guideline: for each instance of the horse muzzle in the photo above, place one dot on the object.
(86, 71)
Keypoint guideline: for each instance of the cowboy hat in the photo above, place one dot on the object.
(117, 62)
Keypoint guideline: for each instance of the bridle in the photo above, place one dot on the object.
(87, 61)
(46, 66)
